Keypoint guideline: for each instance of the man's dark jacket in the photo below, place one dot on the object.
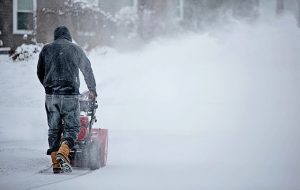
(59, 64)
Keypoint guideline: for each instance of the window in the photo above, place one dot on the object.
(179, 12)
(24, 16)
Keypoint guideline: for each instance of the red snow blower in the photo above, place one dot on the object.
(90, 149)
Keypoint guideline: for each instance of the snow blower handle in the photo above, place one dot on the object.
(92, 95)
(94, 106)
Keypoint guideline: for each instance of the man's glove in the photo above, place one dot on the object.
(92, 95)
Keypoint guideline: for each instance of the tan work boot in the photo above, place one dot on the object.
(55, 164)
(63, 157)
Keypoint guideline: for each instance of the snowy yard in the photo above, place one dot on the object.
(210, 111)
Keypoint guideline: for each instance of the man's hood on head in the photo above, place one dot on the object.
(62, 32)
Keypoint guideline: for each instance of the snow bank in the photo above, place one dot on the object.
(26, 52)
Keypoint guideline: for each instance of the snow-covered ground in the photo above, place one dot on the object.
(211, 111)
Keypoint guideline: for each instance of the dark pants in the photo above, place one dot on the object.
(63, 115)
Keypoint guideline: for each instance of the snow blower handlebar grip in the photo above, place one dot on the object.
(92, 95)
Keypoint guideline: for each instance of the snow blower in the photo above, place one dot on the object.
(90, 149)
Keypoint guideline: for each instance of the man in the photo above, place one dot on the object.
(58, 71)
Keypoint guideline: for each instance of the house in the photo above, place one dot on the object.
(91, 22)
(31, 21)
(107, 22)
(16, 20)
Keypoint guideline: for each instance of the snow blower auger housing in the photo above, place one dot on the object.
(90, 149)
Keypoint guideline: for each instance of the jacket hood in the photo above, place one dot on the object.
(62, 32)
